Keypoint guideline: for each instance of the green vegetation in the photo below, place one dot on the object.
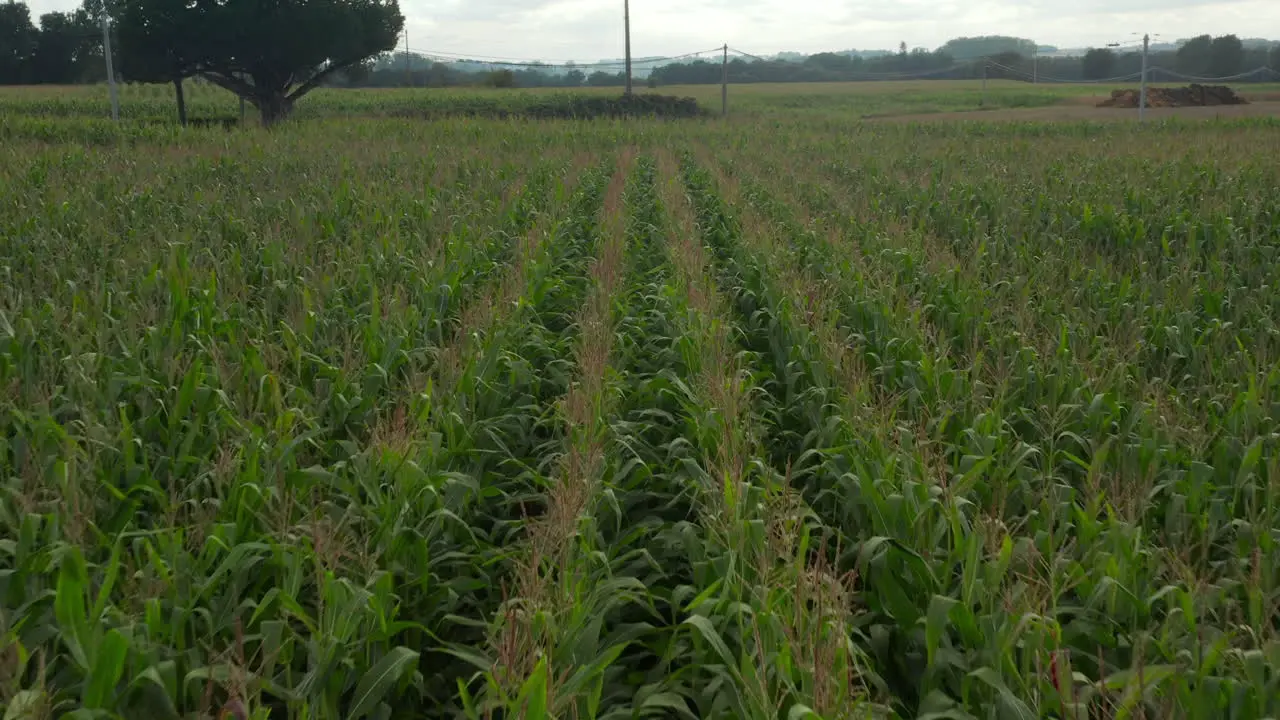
(790, 416)
(44, 110)
(151, 104)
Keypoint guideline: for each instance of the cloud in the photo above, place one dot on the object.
(497, 12)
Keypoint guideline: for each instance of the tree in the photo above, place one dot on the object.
(438, 75)
(357, 74)
(575, 78)
(601, 78)
(1226, 56)
(17, 43)
(1008, 59)
(68, 49)
(831, 62)
(501, 79)
(1098, 63)
(270, 53)
(1274, 58)
(968, 48)
(1194, 55)
(160, 41)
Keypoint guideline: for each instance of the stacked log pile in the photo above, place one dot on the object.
(1191, 96)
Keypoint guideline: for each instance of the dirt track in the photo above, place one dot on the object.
(1079, 111)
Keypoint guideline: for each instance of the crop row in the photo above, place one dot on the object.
(954, 417)
(635, 421)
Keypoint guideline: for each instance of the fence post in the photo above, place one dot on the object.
(626, 21)
(111, 75)
(724, 83)
(982, 101)
(1142, 98)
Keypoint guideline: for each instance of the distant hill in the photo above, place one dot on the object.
(788, 56)
(961, 48)
(1249, 44)
(966, 48)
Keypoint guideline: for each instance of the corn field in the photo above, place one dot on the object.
(151, 109)
(783, 417)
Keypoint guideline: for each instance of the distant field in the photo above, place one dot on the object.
(792, 417)
(863, 99)
(866, 99)
(1262, 111)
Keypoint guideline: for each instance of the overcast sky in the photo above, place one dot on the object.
(558, 30)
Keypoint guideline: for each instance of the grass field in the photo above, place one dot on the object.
(791, 416)
(842, 101)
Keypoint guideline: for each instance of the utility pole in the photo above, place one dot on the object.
(626, 21)
(408, 71)
(982, 101)
(1035, 65)
(111, 75)
(724, 83)
(1142, 96)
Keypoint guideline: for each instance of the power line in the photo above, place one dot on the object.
(1055, 80)
(1135, 76)
(1135, 44)
(1193, 78)
(535, 64)
(893, 75)
(912, 74)
(454, 53)
(747, 54)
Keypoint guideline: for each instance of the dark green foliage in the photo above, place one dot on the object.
(17, 43)
(269, 54)
(1098, 63)
(68, 49)
(1195, 56)
(562, 106)
(600, 78)
(160, 41)
(1226, 56)
(502, 79)
(968, 48)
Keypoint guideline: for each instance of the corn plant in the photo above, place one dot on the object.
(389, 414)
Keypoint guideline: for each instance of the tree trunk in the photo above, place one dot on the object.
(182, 101)
(274, 108)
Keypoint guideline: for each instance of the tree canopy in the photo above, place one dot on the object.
(1207, 56)
(1098, 64)
(1226, 56)
(160, 42)
(17, 43)
(269, 53)
(967, 48)
(1193, 55)
(66, 48)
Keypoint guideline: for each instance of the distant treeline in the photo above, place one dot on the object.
(439, 75)
(65, 49)
(1202, 56)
